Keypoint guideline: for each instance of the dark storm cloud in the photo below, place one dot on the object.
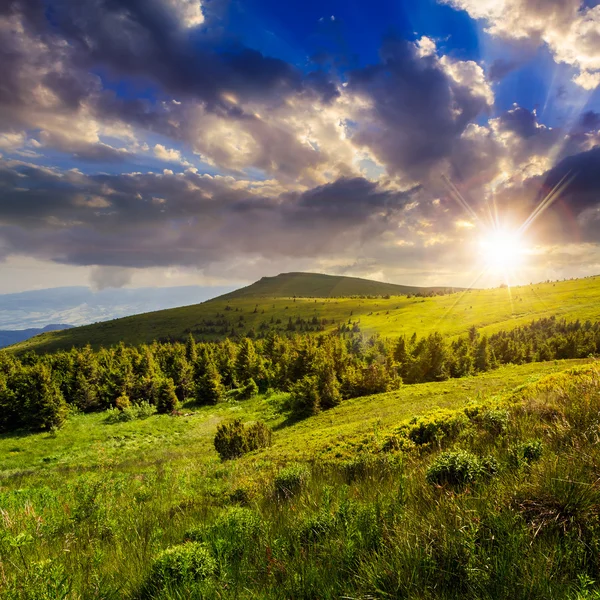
(583, 174)
(418, 110)
(143, 220)
(144, 38)
(520, 121)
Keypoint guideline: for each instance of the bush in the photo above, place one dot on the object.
(32, 400)
(122, 402)
(234, 532)
(495, 421)
(183, 564)
(435, 427)
(525, 453)
(305, 399)
(166, 398)
(247, 391)
(131, 413)
(290, 480)
(233, 439)
(454, 468)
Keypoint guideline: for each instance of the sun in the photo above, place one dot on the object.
(502, 250)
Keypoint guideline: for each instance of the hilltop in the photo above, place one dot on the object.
(267, 305)
(317, 285)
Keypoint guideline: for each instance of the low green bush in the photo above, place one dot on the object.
(131, 413)
(525, 453)
(440, 425)
(183, 564)
(454, 469)
(495, 421)
(233, 439)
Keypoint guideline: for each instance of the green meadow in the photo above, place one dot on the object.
(483, 486)
(464, 488)
(247, 310)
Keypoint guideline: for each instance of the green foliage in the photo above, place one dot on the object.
(131, 413)
(234, 533)
(209, 389)
(454, 468)
(496, 421)
(184, 564)
(166, 398)
(233, 439)
(526, 453)
(247, 391)
(290, 480)
(434, 428)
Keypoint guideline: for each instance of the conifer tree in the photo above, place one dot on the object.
(209, 389)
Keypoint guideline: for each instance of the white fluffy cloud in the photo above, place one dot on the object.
(569, 28)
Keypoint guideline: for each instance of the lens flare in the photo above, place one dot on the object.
(502, 251)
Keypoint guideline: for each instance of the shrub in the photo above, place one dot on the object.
(454, 468)
(525, 453)
(131, 413)
(234, 532)
(166, 398)
(290, 480)
(35, 400)
(495, 421)
(248, 390)
(305, 400)
(209, 389)
(122, 402)
(435, 427)
(234, 439)
(184, 564)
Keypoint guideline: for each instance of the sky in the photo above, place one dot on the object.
(182, 142)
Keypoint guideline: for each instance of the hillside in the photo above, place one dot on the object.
(317, 285)
(9, 337)
(334, 498)
(241, 313)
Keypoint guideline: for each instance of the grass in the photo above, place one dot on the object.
(85, 512)
(489, 310)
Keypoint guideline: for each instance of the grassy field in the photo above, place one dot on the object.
(86, 510)
(453, 314)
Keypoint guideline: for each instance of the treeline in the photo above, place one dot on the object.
(318, 371)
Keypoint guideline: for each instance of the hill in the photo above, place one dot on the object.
(241, 313)
(8, 337)
(317, 285)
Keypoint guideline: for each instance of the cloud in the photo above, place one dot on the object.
(416, 107)
(170, 155)
(570, 29)
(102, 278)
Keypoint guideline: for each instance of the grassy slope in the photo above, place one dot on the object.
(87, 440)
(87, 509)
(452, 314)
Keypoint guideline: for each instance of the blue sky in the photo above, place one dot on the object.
(211, 142)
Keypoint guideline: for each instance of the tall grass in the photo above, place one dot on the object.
(524, 523)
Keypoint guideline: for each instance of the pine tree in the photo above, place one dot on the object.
(191, 352)
(209, 389)
(166, 399)
(246, 364)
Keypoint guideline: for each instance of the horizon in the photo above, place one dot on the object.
(178, 143)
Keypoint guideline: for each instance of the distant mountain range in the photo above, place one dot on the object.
(81, 305)
(8, 337)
